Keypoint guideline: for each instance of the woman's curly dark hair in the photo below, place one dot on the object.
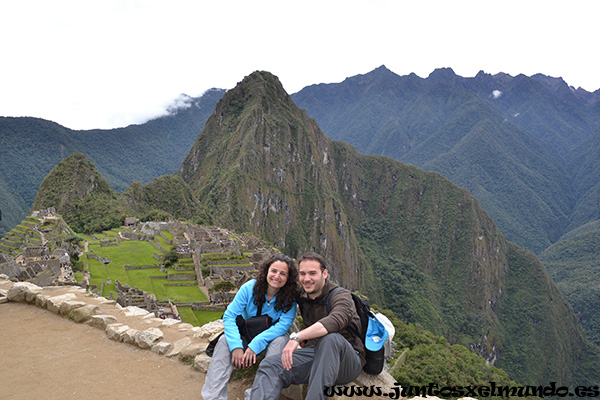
(287, 294)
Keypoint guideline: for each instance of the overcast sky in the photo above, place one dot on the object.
(103, 64)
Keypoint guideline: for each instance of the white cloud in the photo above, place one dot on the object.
(496, 94)
(115, 62)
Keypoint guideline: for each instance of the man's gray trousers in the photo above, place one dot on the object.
(331, 362)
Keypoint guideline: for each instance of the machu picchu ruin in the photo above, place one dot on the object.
(177, 257)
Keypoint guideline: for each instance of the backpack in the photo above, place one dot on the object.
(373, 333)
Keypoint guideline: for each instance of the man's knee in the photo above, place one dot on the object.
(270, 363)
(331, 339)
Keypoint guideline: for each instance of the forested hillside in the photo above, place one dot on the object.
(528, 148)
(409, 239)
(515, 142)
(31, 147)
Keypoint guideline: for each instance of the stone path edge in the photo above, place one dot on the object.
(131, 325)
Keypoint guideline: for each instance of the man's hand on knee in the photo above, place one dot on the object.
(288, 353)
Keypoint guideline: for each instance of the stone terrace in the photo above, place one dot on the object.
(138, 327)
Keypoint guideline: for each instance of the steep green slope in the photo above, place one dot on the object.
(168, 193)
(88, 204)
(77, 191)
(260, 165)
(442, 262)
(583, 164)
(574, 263)
(29, 149)
(534, 312)
(411, 239)
(528, 196)
(524, 126)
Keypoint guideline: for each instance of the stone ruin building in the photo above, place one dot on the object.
(36, 265)
(128, 296)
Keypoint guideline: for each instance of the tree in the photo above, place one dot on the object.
(171, 257)
(223, 287)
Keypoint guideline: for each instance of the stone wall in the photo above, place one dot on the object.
(135, 326)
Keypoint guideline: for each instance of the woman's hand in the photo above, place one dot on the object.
(237, 358)
(249, 357)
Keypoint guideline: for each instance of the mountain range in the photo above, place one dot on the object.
(411, 240)
(528, 148)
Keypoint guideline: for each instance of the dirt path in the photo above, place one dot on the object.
(45, 356)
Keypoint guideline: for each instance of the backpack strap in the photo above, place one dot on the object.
(259, 313)
(328, 305)
(329, 296)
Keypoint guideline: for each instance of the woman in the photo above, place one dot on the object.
(275, 289)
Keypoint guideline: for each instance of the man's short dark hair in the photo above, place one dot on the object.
(315, 257)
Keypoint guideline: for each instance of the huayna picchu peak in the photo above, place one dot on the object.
(262, 165)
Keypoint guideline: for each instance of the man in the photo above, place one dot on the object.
(325, 353)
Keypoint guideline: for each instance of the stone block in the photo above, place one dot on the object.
(53, 303)
(41, 300)
(169, 322)
(84, 313)
(201, 362)
(102, 321)
(129, 336)
(184, 327)
(18, 291)
(133, 311)
(193, 350)
(147, 338)
(116, 331)
(161, 347)
(210, 330)
(69, 306)
(178, 346)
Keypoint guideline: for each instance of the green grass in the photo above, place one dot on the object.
(185, 294)
(159, 289)
(140, 278)
(187, 315)
(112, 233)
(168, 235)
(198, 318)
(162, 242)
(173, 272)
(128, 252)
(204, 317)
(233, 265)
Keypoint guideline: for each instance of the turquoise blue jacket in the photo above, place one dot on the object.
(243, 304)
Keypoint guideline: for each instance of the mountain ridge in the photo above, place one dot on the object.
(418, 235)
(412, 120)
